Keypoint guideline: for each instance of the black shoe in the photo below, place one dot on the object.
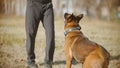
(32, 65)
(47, 66)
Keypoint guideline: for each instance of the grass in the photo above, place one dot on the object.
(11, 32)
(13, 50)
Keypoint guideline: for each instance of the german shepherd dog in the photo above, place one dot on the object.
(79, 47)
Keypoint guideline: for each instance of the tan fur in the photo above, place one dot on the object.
(79, 47)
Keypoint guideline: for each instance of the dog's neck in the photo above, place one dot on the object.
(71, 29)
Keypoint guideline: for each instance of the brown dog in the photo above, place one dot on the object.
(79, 47)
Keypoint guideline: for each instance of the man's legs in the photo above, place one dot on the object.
(32, 22)
(48, 23)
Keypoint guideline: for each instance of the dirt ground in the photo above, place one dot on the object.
(12, 41)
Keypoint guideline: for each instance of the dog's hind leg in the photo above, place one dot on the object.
(92, 61)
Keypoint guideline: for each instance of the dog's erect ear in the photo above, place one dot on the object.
(79, 17)
(66, 15)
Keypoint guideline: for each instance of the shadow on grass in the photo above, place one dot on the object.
(115, 57)
(74, 62)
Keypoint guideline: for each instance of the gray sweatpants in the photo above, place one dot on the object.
(36, 12)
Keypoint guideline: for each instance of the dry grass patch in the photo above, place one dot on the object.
(12, 41)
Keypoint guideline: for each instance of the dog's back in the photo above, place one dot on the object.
(81, 47)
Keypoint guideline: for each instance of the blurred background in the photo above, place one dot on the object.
(103, 9)
(101, 23)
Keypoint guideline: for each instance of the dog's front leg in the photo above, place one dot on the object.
(68, 61)
(68, 57)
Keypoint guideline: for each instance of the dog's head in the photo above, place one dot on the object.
(72, 20)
